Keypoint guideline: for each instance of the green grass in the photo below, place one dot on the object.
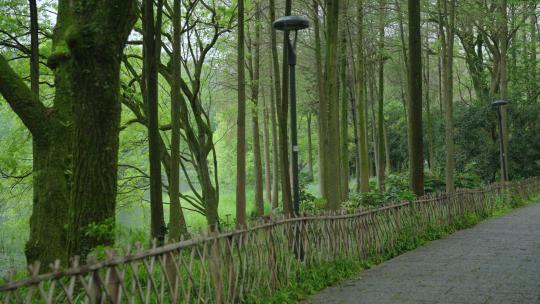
(134, 220)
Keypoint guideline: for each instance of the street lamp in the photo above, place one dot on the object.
(499, 104)
(288, 24)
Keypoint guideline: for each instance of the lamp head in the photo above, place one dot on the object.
(291, 23)
(499, 103)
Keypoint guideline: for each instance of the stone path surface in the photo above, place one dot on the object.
(497, 261)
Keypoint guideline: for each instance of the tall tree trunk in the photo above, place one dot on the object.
(356, 143)
(532, 96)
(416, 145)
(361, 104)
(429, 118)
(380, 109)
(323, 104)
(275, 148)
(310, 147)
(76, 140)
(282, 111)
(374, 136)
(177, 222)
(331, 130)
(241, 124)
(34, 49)
(446, 32)
(254, 75)
(343, 117)
(267, 161)
(503, 82)
(152, 47)
(282, 98)
(388, 165)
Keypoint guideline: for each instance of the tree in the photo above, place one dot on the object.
(343, 114)
(34, 48)
(361, 103)
(380, 108)
(331, 138)
(282, 114)
(254, 73)
(241, 124)
(275, 106)
(503, 81)
(446, 34)
(75, 139)
(323, 105)
(416, 145)
(177, 224)
(152, 55)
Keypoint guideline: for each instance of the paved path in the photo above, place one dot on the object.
(497, 261)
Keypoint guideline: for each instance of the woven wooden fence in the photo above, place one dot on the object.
(247, 265)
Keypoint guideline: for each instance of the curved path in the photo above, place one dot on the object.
(497, 261)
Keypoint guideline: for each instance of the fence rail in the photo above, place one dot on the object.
(245, 265)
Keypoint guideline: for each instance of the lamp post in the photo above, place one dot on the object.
(504, 169)
(294, 24)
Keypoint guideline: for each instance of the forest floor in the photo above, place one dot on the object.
(496, 261)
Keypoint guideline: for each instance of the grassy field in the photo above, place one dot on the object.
(134, 221)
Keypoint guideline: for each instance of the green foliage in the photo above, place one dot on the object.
(309, 280)
(103, 230)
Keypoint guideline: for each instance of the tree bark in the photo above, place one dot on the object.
(361, 104)
(532, 96)
(323, 104)
(310, 147)
(343, 115)
(416, 145)
(275, 148)
(177, 222)
(503, 81)
(267, 161)
(282, 112)
(152, 52)
(241, 124)
(446, 29)
(380, 109)
(331, 129)
(254, 75)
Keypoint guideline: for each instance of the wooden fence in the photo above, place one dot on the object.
(247, 265)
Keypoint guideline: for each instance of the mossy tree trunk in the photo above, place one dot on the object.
(343, 109)
(361, 105)
(75, 140)
(416, 144)
(331, 128)
(177, 222)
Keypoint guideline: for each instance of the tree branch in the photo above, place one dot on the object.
(31, 111)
